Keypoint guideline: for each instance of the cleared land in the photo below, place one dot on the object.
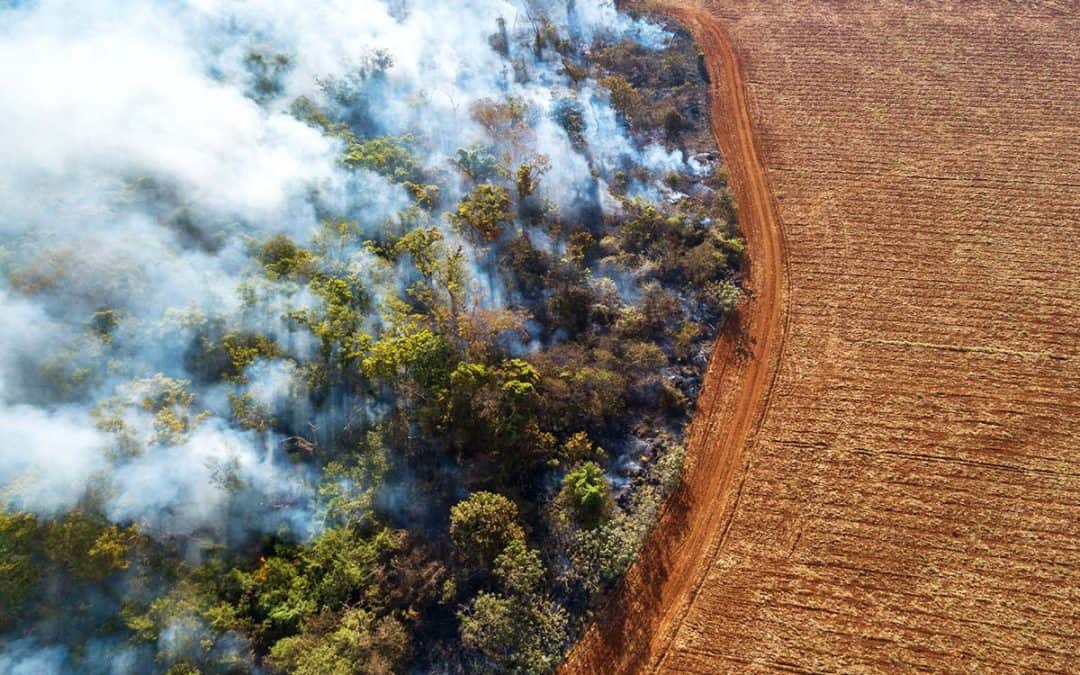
(885, 472)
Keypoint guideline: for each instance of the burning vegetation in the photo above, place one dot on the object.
(390, 371)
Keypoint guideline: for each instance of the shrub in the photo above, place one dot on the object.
(352, 642)
(89, 547)
(722, 297)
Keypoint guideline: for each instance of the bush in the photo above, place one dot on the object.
(584, 391)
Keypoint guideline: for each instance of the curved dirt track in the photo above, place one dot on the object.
(884, 473)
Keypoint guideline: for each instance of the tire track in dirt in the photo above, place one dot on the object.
(636, 629)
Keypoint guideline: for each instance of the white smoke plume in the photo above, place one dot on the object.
(117, 115)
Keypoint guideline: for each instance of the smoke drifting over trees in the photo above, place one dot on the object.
(288, 286)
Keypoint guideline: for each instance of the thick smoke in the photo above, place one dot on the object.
(120, 118)
(145, 149)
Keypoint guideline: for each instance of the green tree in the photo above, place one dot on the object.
(245, 348)
(387, 156)
(482, 526)
(476, 163)
(519, 568)
(515, 635)
(356, 642)
(20, 570)
(624, 97)
(441, 291)
(587, 490)
(284, 259)
(484, 213)
(422, 358)
(496, 410)
(88, 547)
(338, 324)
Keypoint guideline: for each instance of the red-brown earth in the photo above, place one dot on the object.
(884, 472)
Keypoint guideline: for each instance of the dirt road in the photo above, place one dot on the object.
(888, 478)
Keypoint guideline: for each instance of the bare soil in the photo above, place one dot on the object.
(884, 473)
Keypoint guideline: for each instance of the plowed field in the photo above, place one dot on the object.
(885, 470)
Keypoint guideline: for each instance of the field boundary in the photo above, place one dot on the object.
(635, 630)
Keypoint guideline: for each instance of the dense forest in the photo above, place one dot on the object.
(384, 366)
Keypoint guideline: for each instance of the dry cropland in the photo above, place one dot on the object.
(884, 473)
